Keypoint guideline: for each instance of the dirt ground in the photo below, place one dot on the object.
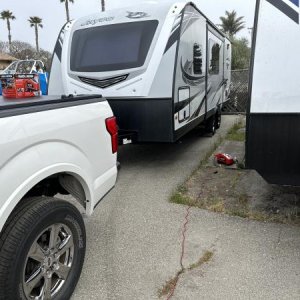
(236, 191)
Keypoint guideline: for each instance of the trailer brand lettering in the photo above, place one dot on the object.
(292, 13)
(137, 15)
(95, 21)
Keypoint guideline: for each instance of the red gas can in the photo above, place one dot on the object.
(225, 159)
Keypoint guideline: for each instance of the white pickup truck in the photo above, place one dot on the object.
(50, 146)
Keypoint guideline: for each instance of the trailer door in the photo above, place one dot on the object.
(215, 70)
(189, 86)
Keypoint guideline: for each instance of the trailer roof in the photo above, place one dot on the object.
(164, 8)
(209, 21)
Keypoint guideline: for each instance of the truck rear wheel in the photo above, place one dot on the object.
(42, 249)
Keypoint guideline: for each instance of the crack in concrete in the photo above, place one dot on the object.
(170, 286)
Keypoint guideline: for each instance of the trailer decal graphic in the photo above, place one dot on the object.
(187, 77)
(173, 39)
(58, 50)
(137, 15)
(287, 9)
(296, 2)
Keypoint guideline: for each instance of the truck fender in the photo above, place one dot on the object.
(20, 183)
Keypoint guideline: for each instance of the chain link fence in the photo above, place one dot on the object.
(238, 99)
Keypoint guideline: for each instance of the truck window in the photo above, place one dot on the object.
(112, 47)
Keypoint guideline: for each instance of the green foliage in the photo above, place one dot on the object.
(67, 8)
(35, 21)
(7, 15)
(241, 54)
(22, 50)
(231, 24)
(236, 133)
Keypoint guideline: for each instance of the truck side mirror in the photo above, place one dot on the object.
(197, 59)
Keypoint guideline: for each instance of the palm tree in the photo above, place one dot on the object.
(8, 15)
(67, 7)
(231, 24)
(36, 22)
(103, 5)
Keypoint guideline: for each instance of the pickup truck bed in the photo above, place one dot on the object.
(51, 146)
(14, 107)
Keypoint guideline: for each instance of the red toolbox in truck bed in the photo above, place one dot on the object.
(20, 85)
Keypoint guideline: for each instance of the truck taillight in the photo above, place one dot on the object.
(112, 128)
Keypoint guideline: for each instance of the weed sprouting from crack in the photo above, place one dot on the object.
(171, 283)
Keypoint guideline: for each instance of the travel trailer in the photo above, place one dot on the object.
(164, 67)
(273, 131)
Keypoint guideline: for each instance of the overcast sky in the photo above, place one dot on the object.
(53, 14)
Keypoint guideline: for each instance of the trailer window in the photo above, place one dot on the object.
(214, 57)
(112, 47)
(198, 61)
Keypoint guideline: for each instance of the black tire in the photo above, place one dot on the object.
(29, 220)
(210, 126)
(218, 119)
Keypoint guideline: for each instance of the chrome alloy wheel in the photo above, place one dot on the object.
(48, 263)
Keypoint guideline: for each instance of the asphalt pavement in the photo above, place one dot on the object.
(134, 236)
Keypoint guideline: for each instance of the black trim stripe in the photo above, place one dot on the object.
(54, 53)
(197, 112)
(182, 104)
(188, 127)
(251, 73)
(173, 39)
(104, 83)
(286, 9)
(58, 50)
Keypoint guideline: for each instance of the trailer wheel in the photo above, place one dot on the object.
(42, 249)
(210, 126)
(218, 119)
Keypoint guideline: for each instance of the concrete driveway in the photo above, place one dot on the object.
(135, 235)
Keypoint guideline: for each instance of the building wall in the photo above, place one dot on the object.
(4, 64)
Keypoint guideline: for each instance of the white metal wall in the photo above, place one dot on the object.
(276, 78)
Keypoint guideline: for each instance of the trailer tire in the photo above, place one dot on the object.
(210, 126)
(42, 250)
(218, 119)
